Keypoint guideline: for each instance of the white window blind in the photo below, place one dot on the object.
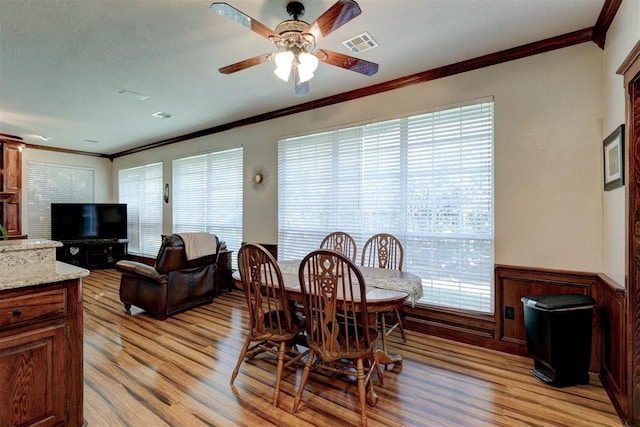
(427, 179)
(51, 183)
(141, 189)
(207, 195)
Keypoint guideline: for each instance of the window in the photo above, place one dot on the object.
(427, 179)
(141, 189)
(50, 183)
(207, 195)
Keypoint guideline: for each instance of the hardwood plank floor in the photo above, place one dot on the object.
(139, 371)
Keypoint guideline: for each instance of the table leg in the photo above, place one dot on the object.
(382, 355)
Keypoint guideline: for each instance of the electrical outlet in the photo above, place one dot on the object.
(509, 312)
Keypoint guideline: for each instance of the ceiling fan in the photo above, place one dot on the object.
(296, 42)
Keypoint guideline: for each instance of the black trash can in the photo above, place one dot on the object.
(558, 331)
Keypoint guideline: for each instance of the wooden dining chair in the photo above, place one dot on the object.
(341, 242)
(384, 250)
(273, 327)
(338, 333)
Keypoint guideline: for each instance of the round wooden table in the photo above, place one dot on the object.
(378, 301)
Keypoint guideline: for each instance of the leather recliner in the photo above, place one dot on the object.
(174, 284)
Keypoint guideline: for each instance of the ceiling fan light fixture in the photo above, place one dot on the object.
(307, 64)
(304, 76)
(283, 65)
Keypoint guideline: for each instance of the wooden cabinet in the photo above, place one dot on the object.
(41, 355)
(11, 186)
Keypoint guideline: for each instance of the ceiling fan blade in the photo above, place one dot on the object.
(239, 66)
(243, 19)
(333, 18)
(348, 62)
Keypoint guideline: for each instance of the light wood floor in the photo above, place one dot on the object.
(139, 371)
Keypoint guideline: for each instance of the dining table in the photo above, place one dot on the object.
(387, 290)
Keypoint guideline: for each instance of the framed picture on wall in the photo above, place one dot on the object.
(613, 147)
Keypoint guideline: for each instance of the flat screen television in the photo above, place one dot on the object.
(87, 221)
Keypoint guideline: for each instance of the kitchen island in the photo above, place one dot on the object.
(41, 374)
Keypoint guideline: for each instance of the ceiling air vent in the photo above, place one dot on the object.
(360, 43)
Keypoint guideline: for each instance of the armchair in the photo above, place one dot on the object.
(173, 284)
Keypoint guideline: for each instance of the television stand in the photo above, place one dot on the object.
(92, 253)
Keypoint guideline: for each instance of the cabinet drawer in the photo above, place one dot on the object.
(33, 307)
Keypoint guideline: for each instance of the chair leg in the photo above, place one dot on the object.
(372, 396)
(399, 320)
(243, 353)
(362, 394)
(276, 393)
(398, 324)
(303, 380)
(374, 361)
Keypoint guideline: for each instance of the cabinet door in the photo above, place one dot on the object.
(12, 220)
(12, 167)
(32, 380)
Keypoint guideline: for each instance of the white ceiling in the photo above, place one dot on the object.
(62, 62)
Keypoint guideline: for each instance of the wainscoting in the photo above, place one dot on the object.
(611, 300)
(499, 331)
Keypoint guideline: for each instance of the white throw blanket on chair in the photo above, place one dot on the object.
(197, 245)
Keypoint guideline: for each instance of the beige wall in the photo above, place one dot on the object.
(548, 140)
(621, 38)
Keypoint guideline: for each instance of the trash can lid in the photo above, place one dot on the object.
(558, 301)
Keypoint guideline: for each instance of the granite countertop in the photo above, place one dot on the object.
(27, 244)
(30, 262)
(62, 272)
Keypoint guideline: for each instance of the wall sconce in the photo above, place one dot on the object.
(259, 178)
